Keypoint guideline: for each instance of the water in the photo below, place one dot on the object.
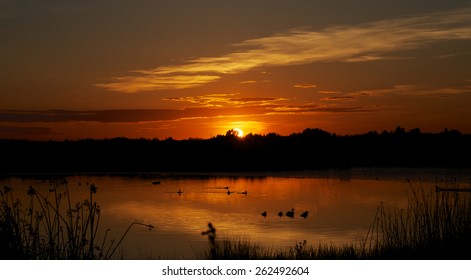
(341, 206)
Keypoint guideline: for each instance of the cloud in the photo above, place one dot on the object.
(254, 81)
(416, 90)
(401, 90)
(328, 92)
(104, 116)
(219, 100)
(369, 41)
(209, 100)
(220, 105)
(305, 86)
(337, 98)
(244, 107)
(126, 115)
(156, 81)
(323, 108)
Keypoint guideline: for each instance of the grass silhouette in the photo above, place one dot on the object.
(53, 227)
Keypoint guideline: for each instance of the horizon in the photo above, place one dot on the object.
(173, 69)
(235, 132)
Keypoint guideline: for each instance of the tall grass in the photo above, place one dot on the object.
(52, 226)
(243, 249)
(433, 225)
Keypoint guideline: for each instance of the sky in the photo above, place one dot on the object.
(196, 69)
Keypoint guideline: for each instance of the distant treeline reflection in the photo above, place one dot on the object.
(308, 150)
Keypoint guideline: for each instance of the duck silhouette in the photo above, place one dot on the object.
(264, 214)
(280, 214)
(290, 213)
(304, 214)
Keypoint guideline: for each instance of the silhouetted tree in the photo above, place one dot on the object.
(310, 149)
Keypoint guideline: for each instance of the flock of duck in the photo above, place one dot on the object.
(229, 191)
(179, 192)
(289, 214)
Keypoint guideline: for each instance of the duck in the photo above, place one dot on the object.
(264, 214)
(280, 214)
(304, 214)
(290, 213)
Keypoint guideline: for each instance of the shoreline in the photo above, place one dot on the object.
(383, 173)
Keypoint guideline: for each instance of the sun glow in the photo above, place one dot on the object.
(238, 132)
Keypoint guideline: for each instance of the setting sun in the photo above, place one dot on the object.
(239, 132)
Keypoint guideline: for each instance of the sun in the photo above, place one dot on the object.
(238, 132)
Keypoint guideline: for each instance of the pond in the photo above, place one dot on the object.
(341, 205)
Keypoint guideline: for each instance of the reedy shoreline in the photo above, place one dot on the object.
(433, 225)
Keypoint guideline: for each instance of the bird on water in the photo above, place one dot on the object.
(290, 213)
(280, 214)
(304, 214)
(264, 214)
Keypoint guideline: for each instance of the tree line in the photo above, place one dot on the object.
(310, 149)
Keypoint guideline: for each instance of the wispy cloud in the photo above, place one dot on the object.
(308, 109)
(255, 81)
(328, 92)
(125, 115)
(305, 86)
(371, 41)
(156, 81)
(400, 90)
(243, 107)
(337, 98)
(209, 100)
(103, 116)
(416, 90)
(221, 99)
(225, 105)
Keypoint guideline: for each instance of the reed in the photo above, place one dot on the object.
(434, 225)
(244, 249)
(52, 226)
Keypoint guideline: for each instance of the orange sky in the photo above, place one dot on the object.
(158, 69)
